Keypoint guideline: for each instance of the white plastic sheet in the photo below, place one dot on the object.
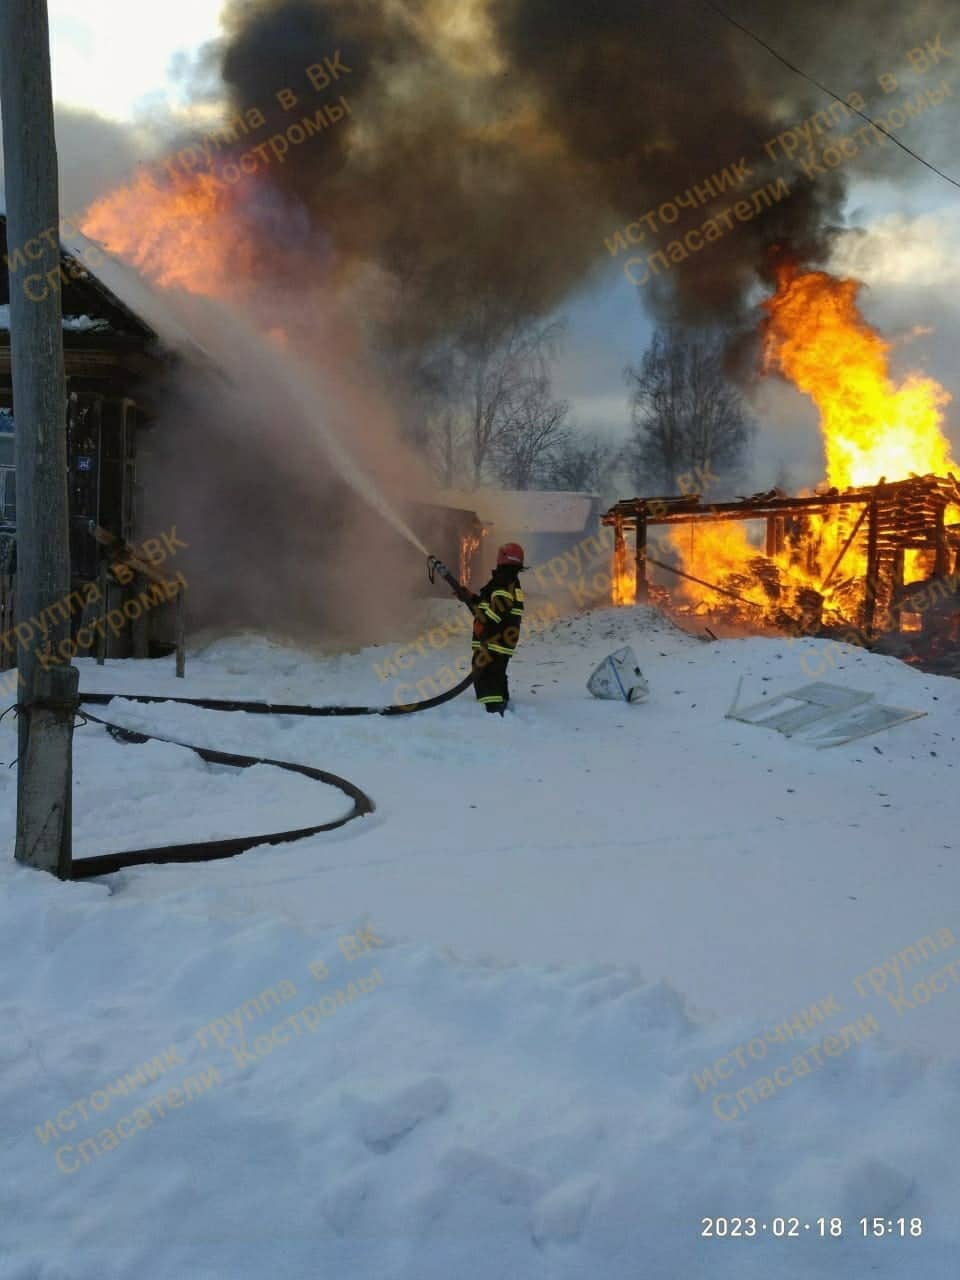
(619, 676)
(825, 715)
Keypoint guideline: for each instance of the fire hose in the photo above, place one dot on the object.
(210, 850)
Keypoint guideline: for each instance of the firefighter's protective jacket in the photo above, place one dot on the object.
(498, 612)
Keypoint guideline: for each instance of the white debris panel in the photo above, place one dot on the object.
(822, 714)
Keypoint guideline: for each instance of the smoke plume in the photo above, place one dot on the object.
(492, 151)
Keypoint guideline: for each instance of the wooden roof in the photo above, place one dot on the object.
(83, 296)
(921, 496)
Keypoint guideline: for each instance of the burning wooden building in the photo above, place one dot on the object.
(249, 510)
(873, 551)
(855, 563)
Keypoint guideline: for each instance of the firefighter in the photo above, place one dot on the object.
(498, 612)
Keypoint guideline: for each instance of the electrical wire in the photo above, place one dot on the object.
(824, 89)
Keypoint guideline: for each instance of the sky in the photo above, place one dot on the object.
(909, 260)
(101, 61)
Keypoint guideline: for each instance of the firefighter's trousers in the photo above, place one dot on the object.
(490, 679)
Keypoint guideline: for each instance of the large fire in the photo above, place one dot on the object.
(624, 575)
(190, 232)
(179, 232)
(874, 429)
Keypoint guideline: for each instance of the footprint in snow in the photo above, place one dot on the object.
(343, 1203)
(559, 1216)
(488, 1177)
(384, 1122)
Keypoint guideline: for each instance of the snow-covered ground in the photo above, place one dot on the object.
(547, 932)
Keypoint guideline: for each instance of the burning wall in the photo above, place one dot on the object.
(831, 562)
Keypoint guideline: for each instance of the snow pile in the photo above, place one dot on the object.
(439, 1118)
(75, 324)
(85, 324)
(551, 928)
(620, 626)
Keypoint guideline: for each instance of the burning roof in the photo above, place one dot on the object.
(84, 296)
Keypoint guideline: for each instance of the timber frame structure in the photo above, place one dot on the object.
(889, 519)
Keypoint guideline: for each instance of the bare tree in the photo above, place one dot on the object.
(687, 416)
(435, 427)
(533, 432)
(488, 407)
(583, 462)
(508, 397)
(446, 442)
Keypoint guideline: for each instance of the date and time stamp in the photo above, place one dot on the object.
(747, 1228)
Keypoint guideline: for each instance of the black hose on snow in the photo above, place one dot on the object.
(208, 850)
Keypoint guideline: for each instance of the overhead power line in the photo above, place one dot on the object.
(824, 89)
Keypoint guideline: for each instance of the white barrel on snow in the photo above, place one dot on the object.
(619, 676)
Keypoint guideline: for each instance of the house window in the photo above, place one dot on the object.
(8, 482)
(8, 493)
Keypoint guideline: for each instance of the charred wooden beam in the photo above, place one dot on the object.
(712, 586)
(770, 543)
(643, 586)
(870, 593)
(628, 510)
(843, 550)
(942, 562)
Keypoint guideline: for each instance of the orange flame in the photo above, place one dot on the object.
(873, 428)
(182, 232)
(469, 546)
(624, 575)
(713, 552)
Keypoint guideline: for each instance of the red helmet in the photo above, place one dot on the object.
(510, 553)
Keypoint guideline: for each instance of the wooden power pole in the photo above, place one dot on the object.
(48, 685)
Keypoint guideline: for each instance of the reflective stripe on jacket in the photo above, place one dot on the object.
(498, 612)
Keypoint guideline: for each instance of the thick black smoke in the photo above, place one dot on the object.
(498, 179)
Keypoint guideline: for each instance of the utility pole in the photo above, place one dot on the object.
(47, 690)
